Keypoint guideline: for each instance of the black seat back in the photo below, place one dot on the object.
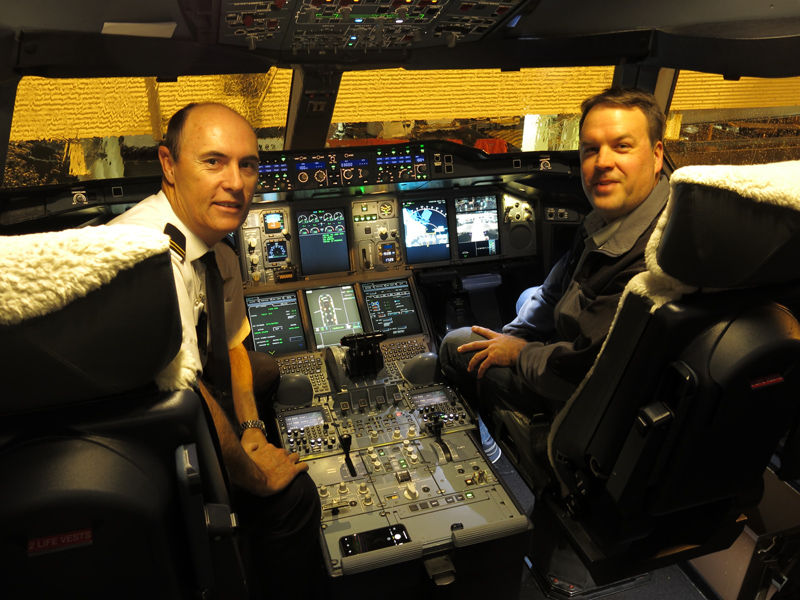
(666, 441)
(111, 478)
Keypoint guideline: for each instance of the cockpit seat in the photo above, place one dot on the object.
(112, 487)
(663, 446)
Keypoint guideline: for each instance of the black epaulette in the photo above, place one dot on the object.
(177, 241)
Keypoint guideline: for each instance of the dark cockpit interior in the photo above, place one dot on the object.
(393, 207)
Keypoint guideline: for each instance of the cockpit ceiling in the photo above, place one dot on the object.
(175, 37)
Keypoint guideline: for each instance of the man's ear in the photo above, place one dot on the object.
(167, 164)
(658, 154)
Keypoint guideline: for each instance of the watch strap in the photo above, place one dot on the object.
(252, 425)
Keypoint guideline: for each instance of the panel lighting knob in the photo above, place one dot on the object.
(367, 499)
(254, 259)
(343, 488)
(411, 491)
(362, 488)
(323, 490)
(412, 431)
(414, 458)
(373, 436)
(396, 434)
(251, 245)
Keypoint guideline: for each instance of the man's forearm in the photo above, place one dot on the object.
(239, 464)
(244, 402)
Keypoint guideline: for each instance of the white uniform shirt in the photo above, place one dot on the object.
(155, 212)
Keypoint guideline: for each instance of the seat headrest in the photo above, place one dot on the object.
(87, 313)
(732, 226)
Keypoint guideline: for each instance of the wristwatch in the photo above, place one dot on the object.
(252, 425)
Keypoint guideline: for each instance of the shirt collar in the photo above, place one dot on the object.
(195, 247)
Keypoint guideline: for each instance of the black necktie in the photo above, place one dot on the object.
(215, 301)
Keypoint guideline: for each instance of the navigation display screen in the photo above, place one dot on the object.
(323, 241)
(476, 226)
(391, 308)
(277, 251)
(275, 323)
(427, 235)
(334, 314)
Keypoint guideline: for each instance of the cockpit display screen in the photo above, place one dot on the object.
(304, 419)
(429, 398)
(275, 323)
(427, 234)
(323, 241)
(334, 314)
(273, 222)
(391, 308)
(277, 251)
(476, 226)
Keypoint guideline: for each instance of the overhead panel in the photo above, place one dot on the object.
(330, 26)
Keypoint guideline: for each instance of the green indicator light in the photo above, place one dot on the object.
(382, 453)
(469, 495)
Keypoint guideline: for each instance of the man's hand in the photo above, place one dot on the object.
(497, 349)
(253, 435)
(277, 468)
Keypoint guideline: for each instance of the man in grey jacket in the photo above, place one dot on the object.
(539, 359)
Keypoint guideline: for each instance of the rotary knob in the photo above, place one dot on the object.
(323, 490)
(362, 488)
(343, 488)
(411, 491)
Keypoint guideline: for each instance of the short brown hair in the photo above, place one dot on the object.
(630, 98)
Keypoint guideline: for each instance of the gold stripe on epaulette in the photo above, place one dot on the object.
(178, 250)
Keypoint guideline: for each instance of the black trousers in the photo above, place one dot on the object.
(278, 535)
(279, 541)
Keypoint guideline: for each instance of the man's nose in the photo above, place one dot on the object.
(605, 158)
(233, 178)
